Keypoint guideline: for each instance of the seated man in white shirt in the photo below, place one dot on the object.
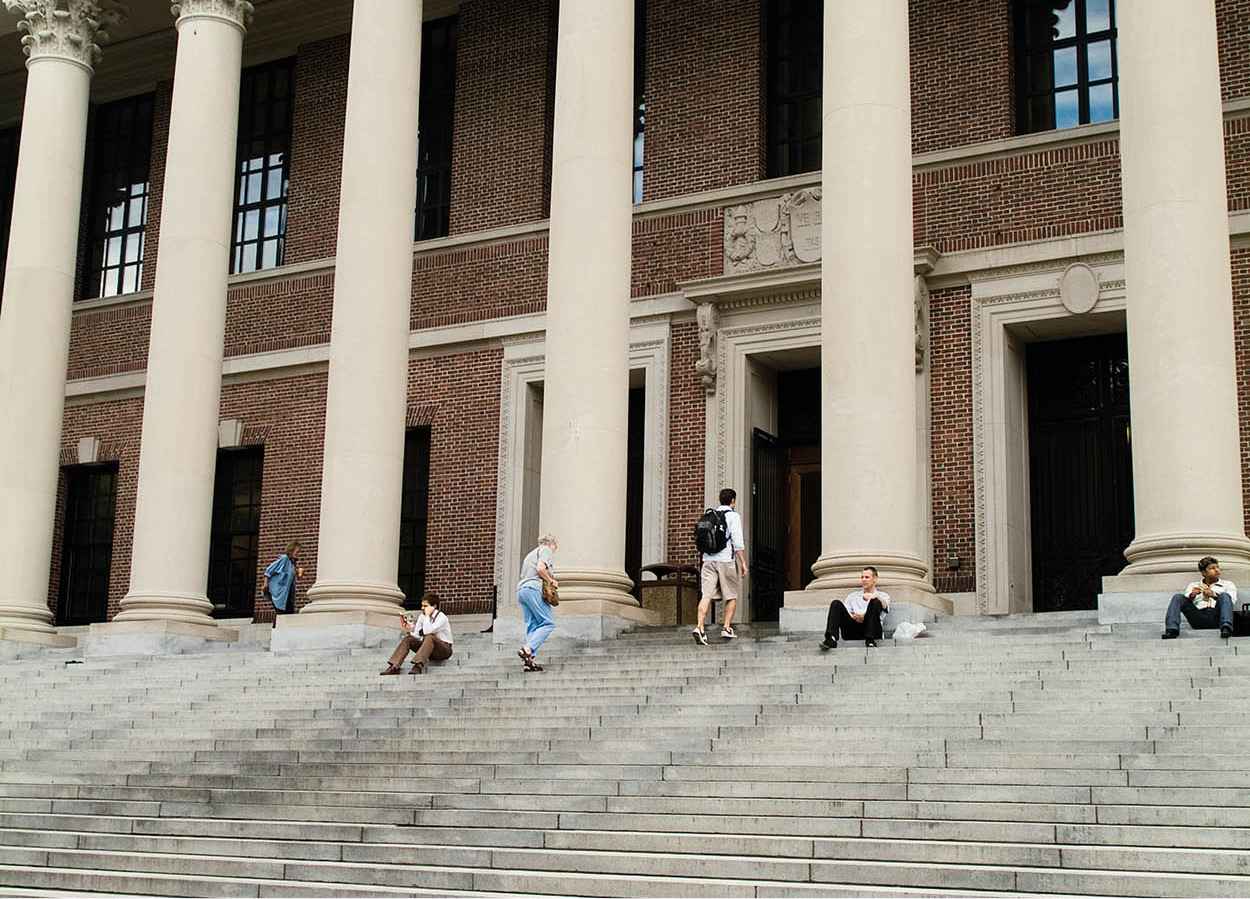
(429, 637)
(1206, 603)
(860, 615)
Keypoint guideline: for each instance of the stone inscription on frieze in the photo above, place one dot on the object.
(773, 233)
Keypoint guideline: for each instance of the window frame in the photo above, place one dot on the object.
(802, 146)
(1028, 49)
(436, 118)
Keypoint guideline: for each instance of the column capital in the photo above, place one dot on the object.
(235, 12)
(69, 29)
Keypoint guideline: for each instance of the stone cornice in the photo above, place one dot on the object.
(72, 33)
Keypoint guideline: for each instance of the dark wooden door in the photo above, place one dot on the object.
(1080, 468)
(765, 557)
(802, 514)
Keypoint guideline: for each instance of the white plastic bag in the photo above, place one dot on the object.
(909, 629)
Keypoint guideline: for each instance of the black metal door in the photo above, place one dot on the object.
(1080, 468)
(765, 537)
(87, 551)
(235, 538)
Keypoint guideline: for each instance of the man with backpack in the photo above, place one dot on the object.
(718, 535)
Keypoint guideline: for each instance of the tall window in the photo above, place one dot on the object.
(414, 515)
(435, 115)
(87, 551)
(118, 211)
(1066, 70)
(233, 546)
(262, 171)
(640, 91)
(795, 33)
(8, 178)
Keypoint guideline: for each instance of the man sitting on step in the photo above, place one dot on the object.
(1206, 603)
(860, 615)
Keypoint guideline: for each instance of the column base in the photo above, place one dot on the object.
(17, 634)
(1178, 554)
(806, 611)
(605, 586)
(336, 630)
(187, 608)
(329, 597)
(1137, 598)
(841, 571)
(154, 637)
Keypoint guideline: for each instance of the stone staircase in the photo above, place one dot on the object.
(1015, 756)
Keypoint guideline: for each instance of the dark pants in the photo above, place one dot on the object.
(841, 622)
(1199, 619)
(426, 648)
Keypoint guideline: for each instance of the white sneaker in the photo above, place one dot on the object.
(728, 633)
(699, 637)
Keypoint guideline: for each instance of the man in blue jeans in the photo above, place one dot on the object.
(1206, 603)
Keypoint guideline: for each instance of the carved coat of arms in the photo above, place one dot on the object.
(774, 232)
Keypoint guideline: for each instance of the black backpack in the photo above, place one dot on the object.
(711, 532)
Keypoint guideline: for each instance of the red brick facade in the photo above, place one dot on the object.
(705, 130)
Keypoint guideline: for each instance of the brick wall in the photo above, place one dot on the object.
(1233, 23)
(1241, 326)
(501, 145)
(317, 121)
(962, 89)
(704, 92)
(161, 108)
(673, 248)
(950, 444)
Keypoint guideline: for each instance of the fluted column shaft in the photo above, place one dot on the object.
(173, 511)
(869, 471)
(358, 546)
(38, 297)
(1182, 354)
(586, 389)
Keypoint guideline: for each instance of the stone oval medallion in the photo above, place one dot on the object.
(1079, 288)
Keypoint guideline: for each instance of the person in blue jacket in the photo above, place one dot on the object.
(279, 584)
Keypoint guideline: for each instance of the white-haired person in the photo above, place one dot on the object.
(536, 569)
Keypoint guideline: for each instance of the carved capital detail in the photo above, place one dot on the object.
(922, 321)
(67, 29)
(236, 12)
(709, 319)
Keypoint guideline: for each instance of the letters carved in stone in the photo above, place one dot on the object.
(773, 233)
(236, 12)
(66, 29)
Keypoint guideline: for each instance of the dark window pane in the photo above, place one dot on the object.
(234, 543)
(414, 515)
(118, 195)
(436, 111)
(87, 549)
(261, 173)
(1066, 53)
(795, 33)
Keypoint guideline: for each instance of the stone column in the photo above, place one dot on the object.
(38, 297)
(869, 475)
(586, 388)
(585, 394)
(358, 544)
(178, 454)
(1182, 352)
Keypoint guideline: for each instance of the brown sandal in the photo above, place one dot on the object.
(417, 668)
(389, 669)
(525, 654)
(531, 665)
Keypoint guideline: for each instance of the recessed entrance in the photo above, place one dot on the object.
(1080, 468)
(785, 521)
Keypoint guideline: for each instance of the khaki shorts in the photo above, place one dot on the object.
(720, 580)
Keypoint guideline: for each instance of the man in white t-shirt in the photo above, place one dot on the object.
(1206, 603)
(721, 573)
(860, 615)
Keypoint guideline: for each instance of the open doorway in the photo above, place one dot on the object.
(1080, 467)
(785, 521)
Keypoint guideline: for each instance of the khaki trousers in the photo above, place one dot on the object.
(426, 648)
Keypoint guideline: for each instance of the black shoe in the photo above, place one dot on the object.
(828, 643)
(1225, 632)
(870, 643)
(1170, 634)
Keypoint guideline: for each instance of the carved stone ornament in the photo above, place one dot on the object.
(1079, 288)
(773, 233)
(708, 318)
(67, 29)
(922, 321)
(236, 12)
